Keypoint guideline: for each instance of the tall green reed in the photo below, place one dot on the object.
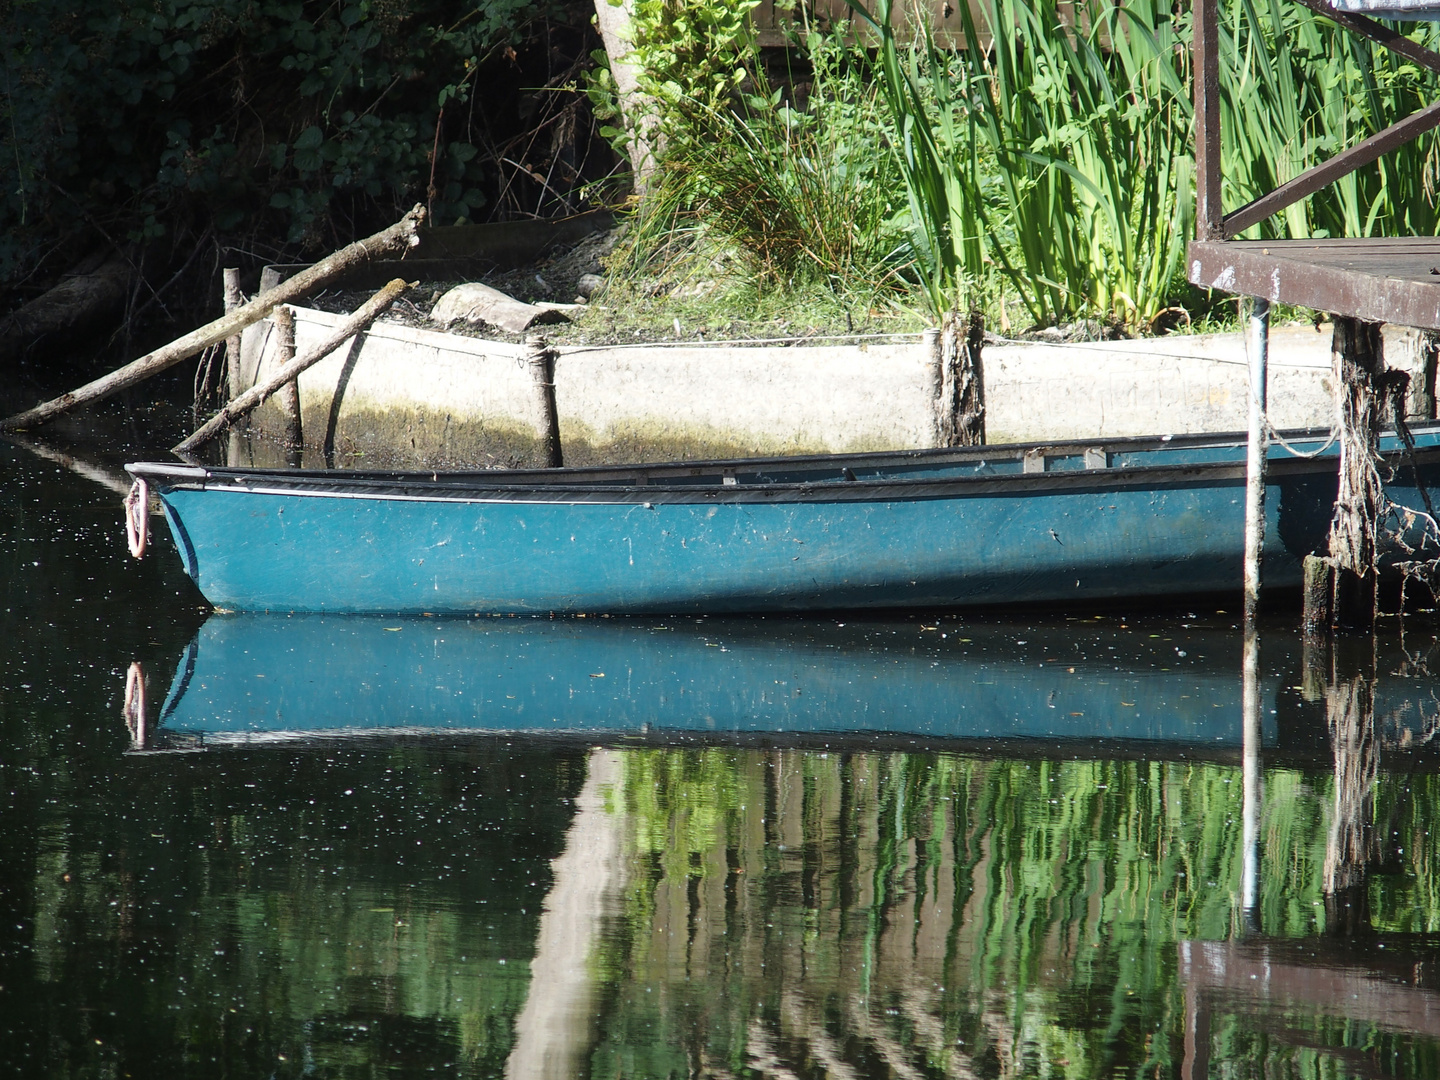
(1085, 115)
(1061, 142)
(1296, 89)
(937, 152)
(1088, 116)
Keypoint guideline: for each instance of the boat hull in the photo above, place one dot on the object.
(948, 538)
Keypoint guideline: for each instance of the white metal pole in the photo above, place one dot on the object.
(1257, 348)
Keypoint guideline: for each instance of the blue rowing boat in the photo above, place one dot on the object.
(1067, 524)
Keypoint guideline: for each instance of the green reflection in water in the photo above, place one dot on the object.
(269, 911)
(912, 914)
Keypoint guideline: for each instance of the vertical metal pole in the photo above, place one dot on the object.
(1257, 348)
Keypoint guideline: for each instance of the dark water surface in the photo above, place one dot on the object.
(785, 848)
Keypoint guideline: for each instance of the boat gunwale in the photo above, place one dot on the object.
(869, 458)
(420, 487)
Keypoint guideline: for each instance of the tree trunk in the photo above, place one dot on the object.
(637, 111)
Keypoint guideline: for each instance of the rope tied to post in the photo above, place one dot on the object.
(137, 517)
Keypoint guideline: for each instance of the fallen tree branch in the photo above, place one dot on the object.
(248, 401)
(401, 235)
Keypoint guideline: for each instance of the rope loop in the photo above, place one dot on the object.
(137, 517)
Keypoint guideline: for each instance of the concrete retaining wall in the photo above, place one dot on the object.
(403, 397)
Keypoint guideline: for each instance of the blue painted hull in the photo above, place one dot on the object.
(250, 678)
(926, 529)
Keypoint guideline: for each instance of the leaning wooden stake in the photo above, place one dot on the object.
(247, 401)
(403, 234)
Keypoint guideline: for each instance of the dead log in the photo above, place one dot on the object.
(247, 402)
(86, 300)
(403, 234)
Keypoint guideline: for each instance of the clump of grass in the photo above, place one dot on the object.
(801, 191)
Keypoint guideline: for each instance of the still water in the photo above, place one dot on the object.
(786, 848)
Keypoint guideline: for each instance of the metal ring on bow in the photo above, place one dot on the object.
(137, 517)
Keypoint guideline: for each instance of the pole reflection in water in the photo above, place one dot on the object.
(1254, 796)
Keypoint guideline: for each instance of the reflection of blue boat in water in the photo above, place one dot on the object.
(1067, 524)
(256, 678)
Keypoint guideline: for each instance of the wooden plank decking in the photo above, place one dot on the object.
(1379, 280)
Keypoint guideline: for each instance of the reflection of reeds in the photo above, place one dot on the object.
(914, 909)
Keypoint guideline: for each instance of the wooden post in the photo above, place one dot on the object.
(246, 402)
(288, 396)
(1424, 394)
(547, 414)
(1257, 348)
(961, 408)
(1357, 373)
(1319, 590)
(233, 298)
(403, 234)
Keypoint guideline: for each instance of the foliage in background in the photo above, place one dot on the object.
(798, 187)
(279, 122)
(692, 55)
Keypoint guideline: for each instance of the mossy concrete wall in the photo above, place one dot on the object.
(402, 397)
